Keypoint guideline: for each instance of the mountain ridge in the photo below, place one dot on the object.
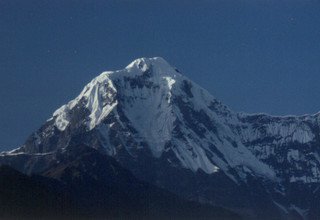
(156, 122)
(137, 76)
(88, 185)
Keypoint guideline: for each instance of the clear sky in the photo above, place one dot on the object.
(254, 55)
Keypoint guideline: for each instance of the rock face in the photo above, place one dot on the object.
(170, 132)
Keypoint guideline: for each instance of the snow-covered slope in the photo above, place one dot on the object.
(288, 144)
(149, 113)
(151, 105)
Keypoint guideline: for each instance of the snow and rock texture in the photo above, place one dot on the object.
(151, 105)
(290, 143)
(155, 121)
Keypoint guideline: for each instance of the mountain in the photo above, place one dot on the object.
(27, 197)
(170, 132)
(88, 185)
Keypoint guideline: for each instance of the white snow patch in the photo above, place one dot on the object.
(302, 212)
(281, 207)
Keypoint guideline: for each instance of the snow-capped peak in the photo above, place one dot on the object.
(145, 63)
(149, 113)
(166, 111)
(99, 94)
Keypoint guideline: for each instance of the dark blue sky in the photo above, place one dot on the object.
(254, 55)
